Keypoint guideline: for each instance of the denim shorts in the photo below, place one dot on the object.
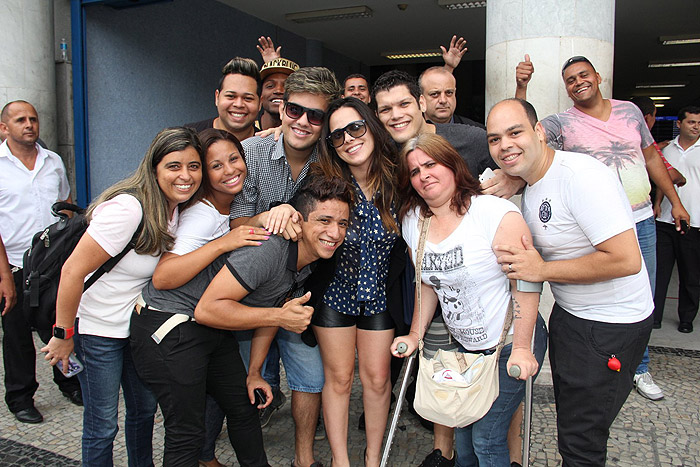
(302, 364)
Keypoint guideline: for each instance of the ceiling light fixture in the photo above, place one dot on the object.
(409, 55)
(680, 40)
(330, 14)
(660, 98)
(679, 63)
(654, 86)
(658, 105)
(460, 5)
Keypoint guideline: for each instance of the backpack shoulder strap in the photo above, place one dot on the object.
(110, 263)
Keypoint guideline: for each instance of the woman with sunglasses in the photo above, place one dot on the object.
(145, 206)
(464, 275)
(354, 310)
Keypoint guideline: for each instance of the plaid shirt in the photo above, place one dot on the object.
(269, 180)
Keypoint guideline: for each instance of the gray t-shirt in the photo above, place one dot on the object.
(470, 143)
(268, 272)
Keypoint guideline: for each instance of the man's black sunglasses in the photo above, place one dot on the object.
(355, 129)
(295, 111)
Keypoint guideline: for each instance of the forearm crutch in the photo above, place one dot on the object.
(514, 371)
(401, 348)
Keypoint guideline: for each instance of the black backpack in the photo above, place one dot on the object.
(44, 259)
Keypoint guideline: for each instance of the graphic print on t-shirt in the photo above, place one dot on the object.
(461, 308)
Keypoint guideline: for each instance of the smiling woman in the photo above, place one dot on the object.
(354, 314)
(144, 207)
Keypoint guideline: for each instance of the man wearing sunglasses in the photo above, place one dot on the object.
(276, 171)
(615, 133)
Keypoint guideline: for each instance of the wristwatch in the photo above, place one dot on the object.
(62, 333)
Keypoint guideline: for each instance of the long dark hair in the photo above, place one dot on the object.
(443, 153)
(381, 175)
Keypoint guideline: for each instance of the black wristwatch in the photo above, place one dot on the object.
(62, 333)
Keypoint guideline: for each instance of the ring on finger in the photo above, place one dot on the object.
(510, 267)
(251, 231)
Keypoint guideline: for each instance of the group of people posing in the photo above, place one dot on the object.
(295, 245)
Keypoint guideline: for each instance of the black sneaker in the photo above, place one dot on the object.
(435, 459)
(278, 401)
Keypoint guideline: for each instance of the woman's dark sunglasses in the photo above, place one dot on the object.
(355, 129)
(295, 111)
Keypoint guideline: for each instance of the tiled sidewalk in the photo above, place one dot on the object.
(664, 433)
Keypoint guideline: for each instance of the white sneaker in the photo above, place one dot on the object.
(646, 387)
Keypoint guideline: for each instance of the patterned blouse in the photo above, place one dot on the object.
(359, 284)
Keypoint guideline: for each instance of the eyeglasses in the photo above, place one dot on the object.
(355, 129)
(295, 111)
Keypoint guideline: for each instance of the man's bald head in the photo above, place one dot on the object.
(19, 123)
(439, 88)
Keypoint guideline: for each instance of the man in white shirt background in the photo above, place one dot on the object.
(31, 180)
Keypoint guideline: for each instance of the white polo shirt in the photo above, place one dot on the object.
(688, 163)
(26, 197)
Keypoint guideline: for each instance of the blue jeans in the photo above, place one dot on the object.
(484, 442)
(646, 235)
(302, 364)
(108, 364)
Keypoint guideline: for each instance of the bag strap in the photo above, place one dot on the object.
(110, 263)
(423, 226)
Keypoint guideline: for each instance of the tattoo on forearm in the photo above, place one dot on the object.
(517, 314)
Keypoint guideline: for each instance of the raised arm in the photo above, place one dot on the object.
(453, 55)
(267, 49)
(523, 74)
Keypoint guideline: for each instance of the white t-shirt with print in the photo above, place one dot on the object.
(578, 204)
(462, 269)
(105, 308)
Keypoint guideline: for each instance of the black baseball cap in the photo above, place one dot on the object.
(575, 59)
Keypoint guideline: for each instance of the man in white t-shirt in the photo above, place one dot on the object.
(601, 320)
(31, 180)
(615, 133)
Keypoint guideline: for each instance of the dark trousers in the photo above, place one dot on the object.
(189, 363)
(19, 357)
(671, 248)
(587, 393)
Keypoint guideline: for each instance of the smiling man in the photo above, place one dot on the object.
(356, 85)
(274, 73)
(237, 100)
(400, 108)
(615, 133)
(249, 288)
(276, 171)
(585, 245)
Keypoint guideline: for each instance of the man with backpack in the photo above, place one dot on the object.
(32, 179)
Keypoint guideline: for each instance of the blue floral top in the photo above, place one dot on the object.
(359, 284)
